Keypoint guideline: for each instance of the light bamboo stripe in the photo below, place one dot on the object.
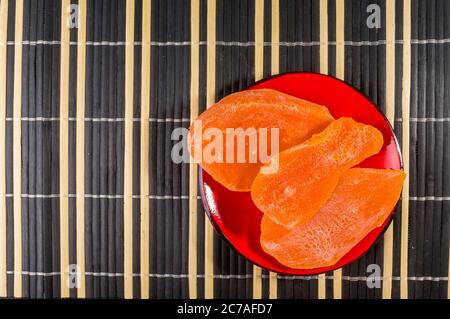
(390, 61)
(405, 147)
(128, 168)
(275, 50)
(275, 68)
(210, 99)
(259, 73)
(321, 289)
(388, 238)
(17, 148)
(259, 39)
(324, 36)
(145, 136)
(64, 149)
(194, 105)
(3, 66)
(81, 75)
(340, 38)
(340, 73)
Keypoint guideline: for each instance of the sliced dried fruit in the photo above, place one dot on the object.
(296, 119)
(308, 173)
(362, 201)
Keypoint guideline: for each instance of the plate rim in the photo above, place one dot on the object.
(386, 223)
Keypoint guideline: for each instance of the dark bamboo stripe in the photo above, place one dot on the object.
(439, 237)
(90, 62)
(104, 98)
(117, 139)
(418, 151)
(50, 101)
(414, 151)
(429, 150)
(137, 148)
(145, 158)
(35, 173)
(445, 221)
(428, 219)
(52, 14)
(182, 111)
(168, 17)
(171, 74)
(40, 97)
(100, 180)
(181, 171)
(202, 106)
(159, 11)
(437, 267)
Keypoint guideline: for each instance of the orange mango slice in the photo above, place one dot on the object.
(362, 201)
(307, 174)
(296, 119)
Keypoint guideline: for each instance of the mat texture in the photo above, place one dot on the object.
(91, 204)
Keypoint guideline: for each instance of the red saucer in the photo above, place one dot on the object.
(234, 215)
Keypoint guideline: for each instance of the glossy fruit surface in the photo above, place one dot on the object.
(235, 216)
(304, 176)
(362, 200)
(249, 111)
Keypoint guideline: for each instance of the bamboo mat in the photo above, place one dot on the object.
(91, 204)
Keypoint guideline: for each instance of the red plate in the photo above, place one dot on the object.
(234, 215)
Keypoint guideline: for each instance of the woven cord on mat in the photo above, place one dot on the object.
(91, 203)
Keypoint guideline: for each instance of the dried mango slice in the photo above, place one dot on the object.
(308, 173)
(362, 201)
(296, 119)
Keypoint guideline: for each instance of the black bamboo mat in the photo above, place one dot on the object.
(91, 91)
